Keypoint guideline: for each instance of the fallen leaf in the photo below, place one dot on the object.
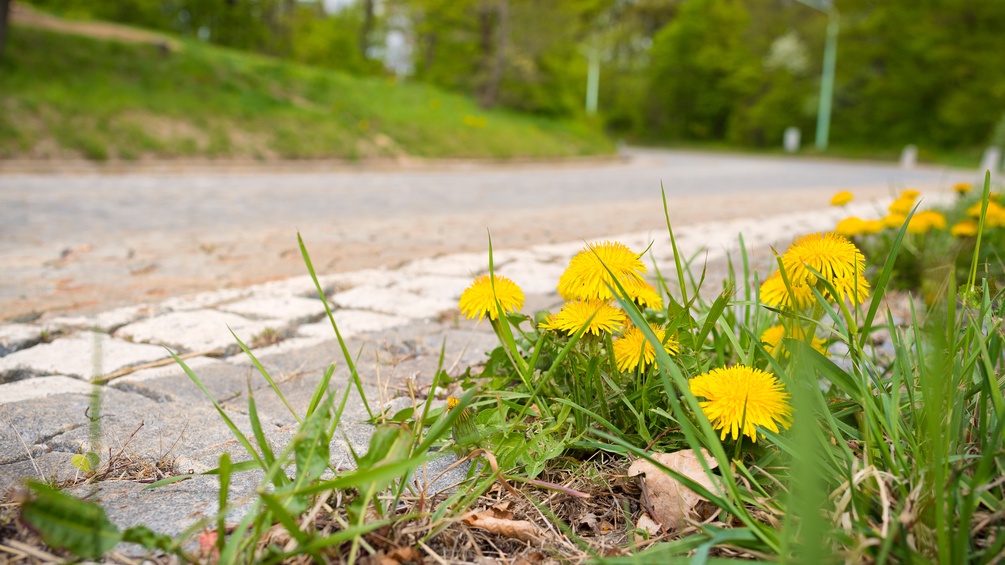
(648, 525)
(500, 522)
(672, 503)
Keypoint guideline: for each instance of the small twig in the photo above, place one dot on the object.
(153, 364)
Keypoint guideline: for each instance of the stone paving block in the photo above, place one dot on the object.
(110, 320)
(18, 336)
(197, 330)
(435, 286)
(205, 299)
(145, 381)
(44, 424)
(534, 277)
(393, 302)
(42, 466)
(302, 286)
(290, 309)
(40, 387)
(455, 265)
(378, 278)
(286, 347)
(350, 323)
(80, 355)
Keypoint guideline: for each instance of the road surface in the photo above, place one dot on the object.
(86, 242)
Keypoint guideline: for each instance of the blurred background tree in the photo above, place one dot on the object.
(733, 71)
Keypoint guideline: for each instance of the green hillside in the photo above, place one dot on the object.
(67, 96)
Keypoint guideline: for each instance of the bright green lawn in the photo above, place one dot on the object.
(68, 96)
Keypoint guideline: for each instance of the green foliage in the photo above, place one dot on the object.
(116, 100)
(66, 522)
(891, 456)
(700, 67)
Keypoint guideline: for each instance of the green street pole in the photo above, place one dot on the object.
(592, 81)
(827, 80)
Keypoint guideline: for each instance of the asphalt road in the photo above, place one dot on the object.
(85, 242)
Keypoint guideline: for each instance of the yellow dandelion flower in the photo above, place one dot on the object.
(633, 349)
(739, 398)
(841, 198)
(910, 194)
(894, 220)
(852, 288)
(588, 278)
(995, 215)
(646, 296)
(772, 340)
(576, 314)
(774, 293)
(872, 226)
(901, 206)
(925, 221)
(829, 254)
(962, 187)
(965, 228)
(850, 227)
(479, 299)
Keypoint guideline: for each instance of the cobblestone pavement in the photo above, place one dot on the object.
(85, 242)
(397, 308)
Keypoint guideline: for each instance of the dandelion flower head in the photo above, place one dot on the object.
(962, 187)
(600, 315)
(632, 349)
(830, 254)
(738, 399)
(901, 206)
(773, 344)
(965, 228)
(646, 296)
(994, 217)
(774, 293)
(589, 274)
(841, 198)
(925, 221)
(894, 220)
(850, 226)
(872, 226)
(479, 299)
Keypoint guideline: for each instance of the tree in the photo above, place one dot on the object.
(4, 17)
(700, 68)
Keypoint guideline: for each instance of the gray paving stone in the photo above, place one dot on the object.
(205, 299)
(197, 330)
(379, 278)
(41, 387)
(350, 323)
(109, 320)
(534, 277)
(393, 302)
(80, 355)
(455, 265)
(288, 308)
(435, 286)
(18, 336)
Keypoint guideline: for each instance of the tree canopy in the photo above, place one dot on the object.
(740, 71)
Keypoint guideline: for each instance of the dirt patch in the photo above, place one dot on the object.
(22, 14)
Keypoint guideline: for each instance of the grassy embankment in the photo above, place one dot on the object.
(68, 96)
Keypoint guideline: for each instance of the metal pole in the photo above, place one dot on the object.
(592, 81)
(827, 81)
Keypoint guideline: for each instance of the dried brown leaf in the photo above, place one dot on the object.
(648, 525)
(672, 503)
(500, 522)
